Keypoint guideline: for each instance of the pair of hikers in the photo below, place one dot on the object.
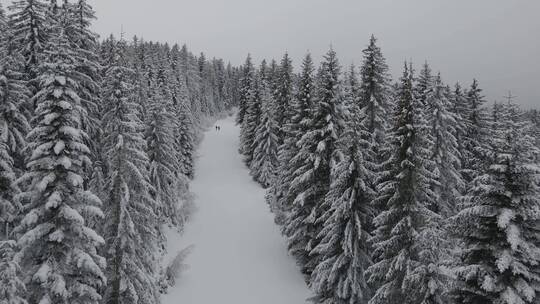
(218, 128)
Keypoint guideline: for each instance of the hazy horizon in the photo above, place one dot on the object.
(490, 40)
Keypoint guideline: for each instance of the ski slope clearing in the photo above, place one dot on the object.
(240, 256)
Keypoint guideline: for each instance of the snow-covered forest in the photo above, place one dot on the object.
(412, 191)
(385, 191)
(96, 154)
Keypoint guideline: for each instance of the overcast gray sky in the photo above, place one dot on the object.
(495, 41)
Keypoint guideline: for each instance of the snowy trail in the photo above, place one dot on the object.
(239, 256)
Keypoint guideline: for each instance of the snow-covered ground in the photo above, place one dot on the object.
(239, 256)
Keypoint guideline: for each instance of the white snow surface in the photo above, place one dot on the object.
(240, 256)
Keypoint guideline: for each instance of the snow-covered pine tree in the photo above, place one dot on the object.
(193, 82)
(58, 251)
(444, 151)
(162, 154)
(140, 63)
(84, 15)
(228, 87)
(246, 89)
(12, 288)
(448, 186)
(27, 20)
(263, 71)
(280, 201)
(185, 136)
(498, 225)
(219, 84)
(375, 93)
(302, 105)
(203, 90)
(375, 106)
(459, 109)
(131, 226)
(311, 180)
(80, 16)
(339, 277)
(496, 112)
(206, 94)
(251, 120)
(185, 132)
(403, 268)
(13, 128)
(216, 70)
(184, 119)
(265, 161)
(351, 88)
(272, 74)
(284, 96)
(474, 141)
(234, 74)
(178, 86)
(424, 84)
(9, 207)
(84, 40)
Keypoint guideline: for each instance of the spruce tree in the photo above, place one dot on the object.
(12, 288)
(140, 63)
(228, 88)
(498, 225)
(13, 129)
(27, 20)
(184, 125)
(496, 112)
(375, 95)
(280, 201)
(185, 136)
(251, 120)
(351, 89)
(424, 84)
(178, 86)
(131, 226)
(272, 75)
(205, 93)
(375, 102)
(164, 164)
(475, 139)
(283, 96)
(246, 89)
(265, 160)
(459, 109)
(9, 207)
(402, 269)
(193, 81)
(219, 84)
(311, 180)
(79, 16)
(444, 151)
(84, 41)
(58, 251)
(344, 250)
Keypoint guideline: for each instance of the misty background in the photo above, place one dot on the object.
(495, 41)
